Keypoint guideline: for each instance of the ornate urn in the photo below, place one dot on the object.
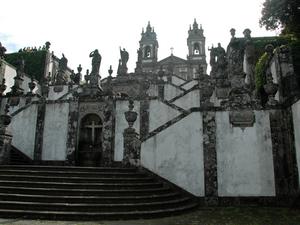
(130, 115)
(5, 119)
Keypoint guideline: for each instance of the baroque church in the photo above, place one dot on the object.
(159, 141)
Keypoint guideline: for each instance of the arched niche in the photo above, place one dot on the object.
(90, 140)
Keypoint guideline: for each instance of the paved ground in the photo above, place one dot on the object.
(202, 216)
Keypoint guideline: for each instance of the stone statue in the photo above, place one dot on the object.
(232, 32)
(96, 61)
(221, 55)
(62, 67)
(124, 57)
(2, 51)
(63, 62)
(122, 68)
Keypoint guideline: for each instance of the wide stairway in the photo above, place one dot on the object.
(87, 193)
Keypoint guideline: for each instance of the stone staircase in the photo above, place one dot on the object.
(87, 193)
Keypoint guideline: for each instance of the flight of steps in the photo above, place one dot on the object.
(87, 193)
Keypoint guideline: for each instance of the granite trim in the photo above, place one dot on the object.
(284, 152)
(144, 118)
(72, 133)
(39, 132)
(210, 157)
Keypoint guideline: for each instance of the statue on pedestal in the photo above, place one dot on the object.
(123, 62)
(96, 61)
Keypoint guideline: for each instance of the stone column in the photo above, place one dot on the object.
(5, 138)
(132, 143)
(72, 132)
(210, 158)
(284, 154)
(161, 84)
(39, 132)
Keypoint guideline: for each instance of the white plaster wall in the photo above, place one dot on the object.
(55, 131)
(177, 81)
(160, 113)
(190, 84)
(191, 99)
(296, 120)
(171, 91)
(121, 124)
(52, 95)
(10, 73)
(23, 126)
(176, 154)
(244, 157)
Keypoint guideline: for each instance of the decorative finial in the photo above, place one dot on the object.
(195, 25)
(110, 71)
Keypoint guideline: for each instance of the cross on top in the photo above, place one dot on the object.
(172, 50)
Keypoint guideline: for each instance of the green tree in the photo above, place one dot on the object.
(282, 14)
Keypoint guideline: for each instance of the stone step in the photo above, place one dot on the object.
(89, 199)
(72, 174)
(75, 186)
(87, 193)
(73, 179)
(67, 168)
(84, 192)
(61, 215)
(93, 207)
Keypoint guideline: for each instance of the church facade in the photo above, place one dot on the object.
(219, 136)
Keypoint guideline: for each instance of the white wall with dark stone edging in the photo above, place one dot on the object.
(121, 125)
(52, 95)
(160, 113)
(176, 154)
(190, 84)
(190, 100)
(296, 120)
(171, 91)
(177, 81)
(23, 127)
(55, 131)
(244, 157)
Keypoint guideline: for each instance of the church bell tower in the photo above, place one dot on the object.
(147, 53)
(196, 47)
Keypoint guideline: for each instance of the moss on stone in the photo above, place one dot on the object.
(34, 62)
(260, 69)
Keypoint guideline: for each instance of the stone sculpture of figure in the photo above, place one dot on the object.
(247, 33)
(62, 67)
(63, 62)
(232, 32)
(96, 61)
(221, 54)
(124, 57)
(2, 51)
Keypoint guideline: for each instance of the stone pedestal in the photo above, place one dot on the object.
(132, 143)
(5, 144)
(5, 139)
(132, 147)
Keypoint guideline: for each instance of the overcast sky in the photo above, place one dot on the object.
(77, 27)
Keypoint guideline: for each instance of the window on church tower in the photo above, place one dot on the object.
(147, 52)
(196, 49)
